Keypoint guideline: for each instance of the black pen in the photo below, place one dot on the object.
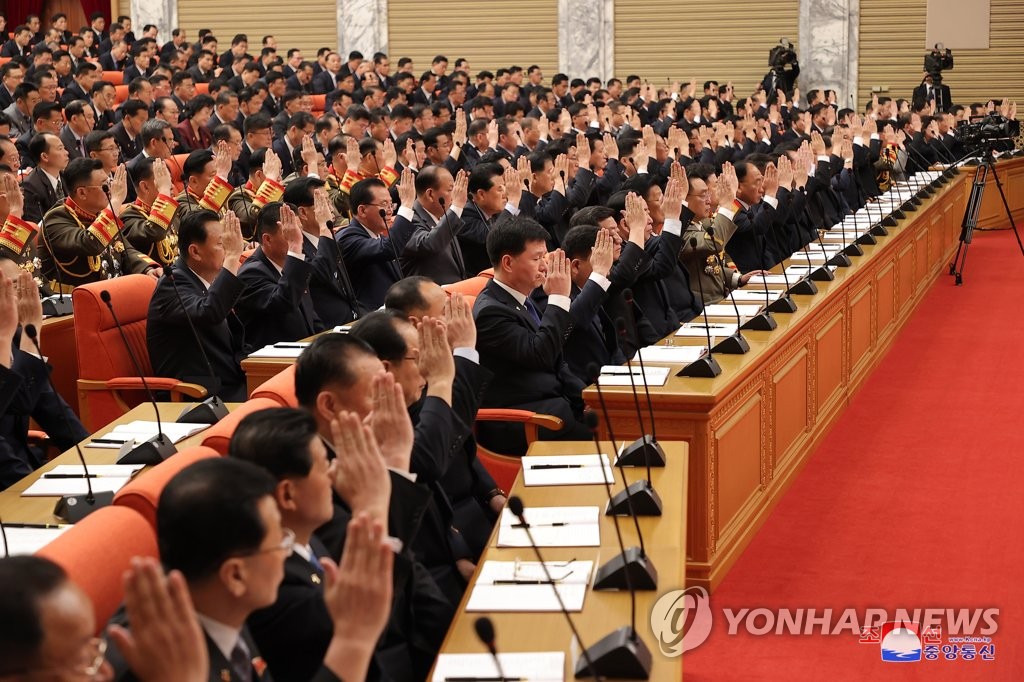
(36, 525)
(556, 524)
(484, 679)
(523, 582)
(109, 441)
(70, 476)
(537, 467)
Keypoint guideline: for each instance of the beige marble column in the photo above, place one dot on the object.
(828, 49)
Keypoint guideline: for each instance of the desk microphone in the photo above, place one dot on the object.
(840, 260)
(71, 508)
(394, 249)
(805, 286)
(485, 632)
(785, 303)
(620, 654)
(735, 344)
(933, 185)
(869, 235)
(211, 410)
(631, 569)
(705, 366)
(644, 451)
(159, 447)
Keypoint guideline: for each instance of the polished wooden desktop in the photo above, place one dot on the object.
(17, 509)
(603, 612)
(751, 429)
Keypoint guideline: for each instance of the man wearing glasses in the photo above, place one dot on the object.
(373, 242)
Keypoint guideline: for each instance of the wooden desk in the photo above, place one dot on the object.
(258, 370)
(17, 509)
(57, 341)
(603, 612)
(992, 215)
(751, 429)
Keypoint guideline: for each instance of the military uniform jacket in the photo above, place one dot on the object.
(147, 228)
(213, 199)
(86, 248)
(247, 201)
(701, 261)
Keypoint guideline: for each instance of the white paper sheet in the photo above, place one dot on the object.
(566, 470)
(537, 666)
(770, 279)
(281, 350)
(143, 430)
(23, 541)
(56, 487)
(526, 587)
(700, 330)
(675, 355)
(756, 295)
(97, 470)
(552, 527)
(799, 271)
(726, 310)
(655, 376)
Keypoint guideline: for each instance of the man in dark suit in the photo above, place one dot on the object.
(928, 91)
(128, 131)
(495, 198)
(299, 125)
(218, 524)
(330, 285)
(202, 294)
(114, 59)
(327, 80)
(275, 304)
(26, 391)
(42, 188)
(81, 120)
(339, 373)
(18, 46)
(302, 81)
(432, 250)
(521, 341)
(81, 87)
(370, 254)
(139, 66)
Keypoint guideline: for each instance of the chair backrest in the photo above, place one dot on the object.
(318, 102)
(202, 88)
(219, 435)
(280, 388)
(470, 287)
(143, 492)
(97, 551)
(101, 352)
(502, 468)
(244, 256)
(120, 94)
(488, 273)
(176, 166)
(113, 77)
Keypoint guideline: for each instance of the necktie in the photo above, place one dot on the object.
(315, 562)
(240, 662)
(532, 309)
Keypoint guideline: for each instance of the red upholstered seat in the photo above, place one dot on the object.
(219, 435)
(108, 383)
(505, 468)
(280, 388)
(143, 492)
(97, 551)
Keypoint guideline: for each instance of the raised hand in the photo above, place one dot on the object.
(272, 165)
(611, 147)
(391, 424)
(542, 127)
(436, 362)
(492, 134)
(582, 150)
(390, 155)
(817, 143)
(602, 255)
(222, 161)
(161, 177)
(232, 241)
(309, 154)
(458, 320)
(322, 211)
(559, 277)
(785, 172)
(728, 184)
(771, 180)
(460, 191)
(513, 186)
(561, 172)
(118, 188)
(671, 201)
(30, 307)
(352, 157)
(459, 136)
(291, 229)
(361, 476)
(166, 642)
(407, 187)
(15, 198)
(524, 170)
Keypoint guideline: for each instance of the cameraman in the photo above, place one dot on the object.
(928, 91)
(784, 71)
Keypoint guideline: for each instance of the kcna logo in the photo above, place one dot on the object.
(681, 620)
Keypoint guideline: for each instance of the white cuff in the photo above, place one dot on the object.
(859, 141)
(457, 210)
(601, 280)
(300, 256)
(406, 212)
(470, 354)
(771, 201)
(559, 301)
(514, 210)
(404, 474)
(727, 212)
(673, 226)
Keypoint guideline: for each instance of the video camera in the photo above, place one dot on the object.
(938, 60)
(991, 132)
(782, 55)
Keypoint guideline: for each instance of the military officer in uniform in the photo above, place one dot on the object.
(80, 239)
(263, 187)
(147, 219)
(205, 174)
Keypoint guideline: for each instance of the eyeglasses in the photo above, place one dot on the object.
(285, 545)
(108, 149)
(95, 651)
(389, 207)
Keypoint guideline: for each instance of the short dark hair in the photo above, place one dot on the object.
(276, 439)
(93, 142)
(510, 237)
(24, 582)
(195, 163)
(379, 331)
(482, 177)
(267, 219)
(259, 121)
(38, 146)
(299, 192)
(579, 241)
(192, 229)
(406, 294)
(592, 215)
(362, 192)
(209, 512)
(327, 361)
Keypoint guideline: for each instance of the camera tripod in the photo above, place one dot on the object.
(956, 268)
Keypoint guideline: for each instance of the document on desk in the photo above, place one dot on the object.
(522, 586)
(755, 295)
(700, 330)
(343, 329)
(29, 538)
(142, 431)
(566, 470)
(619, 375)
(802, 270)
(69, 479)
(768, 279)
(533, 666)
(281, 350)
(677, 355)
(726, 310)
(552, 527)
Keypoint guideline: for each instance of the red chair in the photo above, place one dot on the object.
(505, 468)
(219, 435)
(468, 287)
(202, 88)
(120, 94)
(143, 492)
(318, 102)
(280, 388)
(244, 256)
(113, 77)
(97, 551)
(176, 165)
(108, 383)
(488, 273)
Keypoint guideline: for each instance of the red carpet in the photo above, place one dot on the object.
(915, 499)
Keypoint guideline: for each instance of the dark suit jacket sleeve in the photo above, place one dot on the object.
(432, 447)
(581, 187)
(501, 331)
(265, 295)
(431, 240)
(360, 249)
(10, 383)
(627, 268)
(204, 311)
(35, 202)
